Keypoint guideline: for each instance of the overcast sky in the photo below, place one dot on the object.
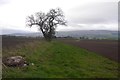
(80, 14)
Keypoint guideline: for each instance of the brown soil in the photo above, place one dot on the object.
(107, 48)
(12, 41)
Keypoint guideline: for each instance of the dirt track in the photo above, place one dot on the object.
(107, 48)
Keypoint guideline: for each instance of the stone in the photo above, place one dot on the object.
(15, 61)
(32, 63)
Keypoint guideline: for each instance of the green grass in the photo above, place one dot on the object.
(58, 60)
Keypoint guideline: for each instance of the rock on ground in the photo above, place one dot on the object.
(15, 61)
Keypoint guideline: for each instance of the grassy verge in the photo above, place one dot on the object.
(58, 60)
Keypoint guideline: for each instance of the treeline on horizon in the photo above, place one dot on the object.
(65, 37)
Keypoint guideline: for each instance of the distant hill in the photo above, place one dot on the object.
(90, 34)
(101, 34)
(13, 31)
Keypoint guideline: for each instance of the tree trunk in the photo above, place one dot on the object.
(47, 37)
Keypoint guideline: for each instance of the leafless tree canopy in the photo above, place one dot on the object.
(47, 22)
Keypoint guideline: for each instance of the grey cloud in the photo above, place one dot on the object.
(119, 12)
(2, 2)
(119, 16)
(105, 12)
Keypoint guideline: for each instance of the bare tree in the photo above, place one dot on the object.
(47, 23)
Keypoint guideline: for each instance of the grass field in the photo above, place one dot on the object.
(58, 60)
(106, 48)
